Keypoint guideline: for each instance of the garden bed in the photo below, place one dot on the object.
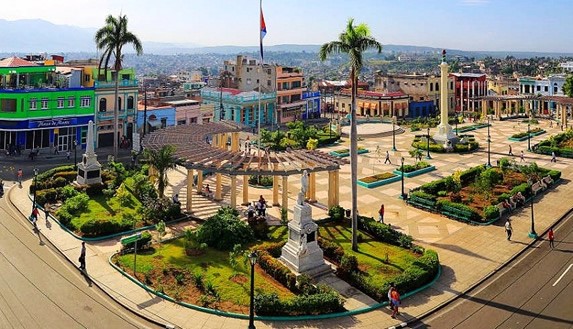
(469, 144)
(561, 144)
(415, 170)
(524, 136)
(346, 152)
(470, 127)
(378, 180)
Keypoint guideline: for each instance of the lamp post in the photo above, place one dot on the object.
(35, 187)
(532, 234)
(75, 154)
(428, 144)
(393, 133)
(456, 122)
(528, 136)
(402, 170)
(253, 260)
(488, 144)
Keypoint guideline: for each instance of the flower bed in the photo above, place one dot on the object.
(467, 144)
(523, 136)
(561, 144)
(378, 180)
(415, 170)
(346, 152)
(470, 127)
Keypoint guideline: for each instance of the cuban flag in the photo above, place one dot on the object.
(263, 29)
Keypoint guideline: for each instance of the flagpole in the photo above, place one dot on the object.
(260, 75)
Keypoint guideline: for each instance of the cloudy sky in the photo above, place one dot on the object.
(516, 25)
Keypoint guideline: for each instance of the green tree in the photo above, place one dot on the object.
(162, 160)
(111, 38)
(568, 86)
(354, 41)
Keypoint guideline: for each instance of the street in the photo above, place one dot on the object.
(40, 289)
(534, 291)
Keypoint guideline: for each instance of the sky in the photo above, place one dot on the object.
(492, 25)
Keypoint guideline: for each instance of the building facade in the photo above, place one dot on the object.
(469, 89)
(374, 104)
(43, 106)
(240, 106)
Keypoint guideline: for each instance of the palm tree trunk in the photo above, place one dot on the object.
(116, 116)
(354, 160)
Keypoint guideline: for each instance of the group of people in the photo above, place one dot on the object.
(550, 234)
(260, 207)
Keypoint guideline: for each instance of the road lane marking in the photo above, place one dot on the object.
(562, 275)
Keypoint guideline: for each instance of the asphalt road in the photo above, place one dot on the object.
(41, 289)
(534, 291)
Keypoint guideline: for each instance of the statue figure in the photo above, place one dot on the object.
(304, 182)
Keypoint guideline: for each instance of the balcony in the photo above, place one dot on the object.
(111, 84)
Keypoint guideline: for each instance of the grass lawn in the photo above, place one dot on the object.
(160, 267)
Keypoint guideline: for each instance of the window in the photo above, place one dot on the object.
(103, 105)
(538, 88)
(86, 78)
(119, 103)
(431, 87)
(85, 101)
(130, 103)
(44, 103)
(546, 88)
(268, 83)
(554, 90)
(60, 102)
(71, 102)
(181, 122)
(33, 103)
(8, 105)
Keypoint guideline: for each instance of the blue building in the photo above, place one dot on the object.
(422, 109)
(241, 107)
(312, 105)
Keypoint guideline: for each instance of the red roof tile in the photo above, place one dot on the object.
(15, 62)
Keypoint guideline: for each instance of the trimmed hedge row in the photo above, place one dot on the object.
(460, 206)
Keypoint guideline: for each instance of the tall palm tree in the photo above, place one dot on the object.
(353, 41)
(162, 160)
(111, 38)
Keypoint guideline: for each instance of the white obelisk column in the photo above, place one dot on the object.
(445, 131)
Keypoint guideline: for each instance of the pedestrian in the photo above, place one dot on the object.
(553, 158)
(20, 174)
(392, 287)
(510, 152)
(381, 214)
(551, 237)
(82, 258)
(46, 212)
(34, 217)
(508, 230)
(387, 158)
(68, 154)
(395, 298)
(522, 156)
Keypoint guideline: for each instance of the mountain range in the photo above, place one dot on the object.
(36, 35)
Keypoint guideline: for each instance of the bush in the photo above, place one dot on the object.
(524, 188)
(435, 186)
(95, 189)
(48, 174)
(474, 215)
(336, 213)
(380, 231)
(77, 204)
(504, 163)
(145, 238)
(48, 195)
(261, 180)
(276, 269)
(260, 229)
(325, 301)
(424, 195)
(492, 176)
(224, 230)
(348, 264)
(68, 192)
(331, 250)
(101, 227)
(469, 176)
(422, 271)
(491, 212)
(64, 217)
(555, 174)
(69, 176)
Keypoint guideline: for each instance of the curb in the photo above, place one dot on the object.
(482, 280)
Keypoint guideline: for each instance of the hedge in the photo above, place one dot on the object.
(99, 227)
(422, 271)
(327, 301)
(435, 186)
(382, 232)
(424, 195)
(469, 176)
(491, 212)
(459, 206)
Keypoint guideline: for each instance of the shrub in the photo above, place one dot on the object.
(422, 271)
(59, 182)
(424, 195)
(224, 230)
(69, 176)
(276, 269)
(336, 213)
(555, 174)
(524, 188)
(100, 227)
(435, 186)
(48, 195)
(442, 193)
(504, 163)
(261, 180)
(380, 231)
(77, 204)
(48, 174)
(468, 176)
(95, 189)
(492, 176)
(64, 217)
(491, 212)
(268, 304)
(348, 264)
(69, 191)
(260, 229)
(331, 250)
(145, 238)
(474, 215)
(325, 301)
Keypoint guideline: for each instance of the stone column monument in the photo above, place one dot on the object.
(445, 132)
(301, 252)
(89, 170)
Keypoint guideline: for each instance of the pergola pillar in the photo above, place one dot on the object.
(285, 192)
(312, 187)
(331, 189)
(199, 181)
(483, 108)
(276, 182)
(223, 141)
(564, 116)
(235, 146)
(189, 190)
(245, 190)
(218, 187)
(337, 187)
(233, 191)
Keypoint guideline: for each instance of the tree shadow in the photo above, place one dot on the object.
(459, 250)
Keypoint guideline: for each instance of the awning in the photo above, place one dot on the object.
(154, 123)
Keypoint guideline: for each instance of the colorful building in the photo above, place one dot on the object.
(43, 106)
(240, 106)
(374, 104)
(312, 102)
(469, 89)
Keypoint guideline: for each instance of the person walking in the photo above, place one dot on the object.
(553, 157)
(395, 298)
(508, 229)
(68, 155)
(551, 237)
(387, 158)
(34, 217)
(510, 152)
(381, 214)
(82, 258)
(19, 175)
(522, 156)
(392, 287)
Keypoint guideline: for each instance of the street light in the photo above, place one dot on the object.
(393, 134)
(75, 154)
(253, 260)
(402, 170)
(428, 144)
(532, 234)
(488, 144)
(528, 136)
(456, 121)
(35, 187)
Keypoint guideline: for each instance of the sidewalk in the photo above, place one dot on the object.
(467, 253)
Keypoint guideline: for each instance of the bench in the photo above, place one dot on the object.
(456, 213)
(502, 209)
(536, 187)
(422, 203)
(547, 180)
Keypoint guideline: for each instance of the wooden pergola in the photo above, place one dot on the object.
(527, 101)
(215, 147)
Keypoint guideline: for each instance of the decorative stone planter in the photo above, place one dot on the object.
(379, 182)
(521, 139)
(415, 172)
(342, 153)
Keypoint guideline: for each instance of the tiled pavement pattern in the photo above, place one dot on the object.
(467, 253)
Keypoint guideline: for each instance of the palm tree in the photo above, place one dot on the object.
(111, 38)
(162, 160)
(353, 41)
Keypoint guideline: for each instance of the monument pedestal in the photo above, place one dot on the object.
(89, 170)
(445, 133)
(302, 253)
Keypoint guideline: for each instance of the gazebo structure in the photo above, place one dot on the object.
(535, 103)
(206, 148)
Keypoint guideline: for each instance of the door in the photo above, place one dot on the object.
(63, 141)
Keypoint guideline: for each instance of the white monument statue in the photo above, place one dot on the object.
(89, 170)
(301, 253)
(445, 132)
